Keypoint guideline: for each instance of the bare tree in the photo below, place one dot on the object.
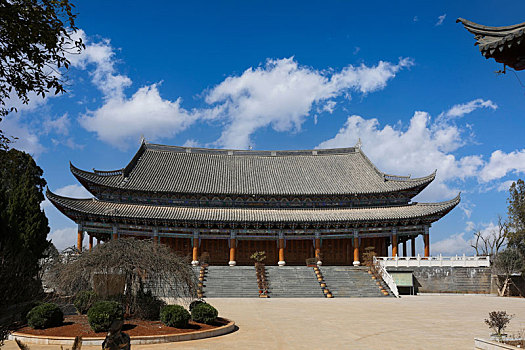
(490, 244)
(141, 264)
(508, 262)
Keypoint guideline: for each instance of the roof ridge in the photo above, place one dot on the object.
(241, 152)
(476, 27)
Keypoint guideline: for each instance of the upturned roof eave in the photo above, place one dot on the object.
(65, 204)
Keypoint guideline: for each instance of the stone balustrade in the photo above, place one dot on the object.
(435, 261)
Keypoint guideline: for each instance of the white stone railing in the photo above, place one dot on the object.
(389, 280)
(435, 261)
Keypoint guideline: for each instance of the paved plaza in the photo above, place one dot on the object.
(412, 322)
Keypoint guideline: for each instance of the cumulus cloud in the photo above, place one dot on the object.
(27, 138)
(146, 113)
(441, 19)
(64, 237)
(461, 243)
(500, 164)
(281, 95)
(424, 145)
(505, 186)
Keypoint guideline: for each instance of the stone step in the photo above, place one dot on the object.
(348, 281)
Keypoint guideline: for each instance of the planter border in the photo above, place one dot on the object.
(485, 344)
(135, 340)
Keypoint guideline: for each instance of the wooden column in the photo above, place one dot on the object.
(80, 237)
(281, 249)
(426, 238)
(394, 242)
(90, 242)
(356, 248)
(404, 247)
(155, 235)
(413, 245)
(233, 246)
(195, 255)
(115, 232)
(318, 247)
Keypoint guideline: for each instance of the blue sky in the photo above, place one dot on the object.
(403, 77)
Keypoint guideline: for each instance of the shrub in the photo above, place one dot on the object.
(147, 306)
(45, 315)
(174, 316)
(84, 300)
(195, 303)
(24, 311)
(204, 313)
(498, 321)
(103, 313)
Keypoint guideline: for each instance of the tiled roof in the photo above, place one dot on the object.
(94, 207)
(159, 168)
(495, 41)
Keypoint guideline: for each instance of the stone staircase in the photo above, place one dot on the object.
(350, 281)
(293, 282)
(230, 282)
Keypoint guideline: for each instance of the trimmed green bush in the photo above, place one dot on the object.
(204, 313)
(84, 300)
(103, 313)
(44, 316)
(174, 316)
(147, 306)
(195, 303)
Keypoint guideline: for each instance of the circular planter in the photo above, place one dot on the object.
(135, 340)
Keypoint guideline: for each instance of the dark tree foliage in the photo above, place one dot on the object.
(516, 215)
(35, 38)
(23, 231)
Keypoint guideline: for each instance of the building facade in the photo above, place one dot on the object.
(294, 205)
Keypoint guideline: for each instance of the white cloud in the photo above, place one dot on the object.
(27, 138)
(64, 237)
(424, 145)
(500, 164)
(441, 19)
(459, 110)
(461, 243)
(415, 19)
(456, 244)
(60, 125)
(281, 95)
(121, 120)
(505, 186)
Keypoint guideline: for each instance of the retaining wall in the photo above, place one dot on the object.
(450, 279)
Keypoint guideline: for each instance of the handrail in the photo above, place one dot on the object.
(435, 261)
(389, 280)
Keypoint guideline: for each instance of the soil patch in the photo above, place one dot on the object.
(78, 325)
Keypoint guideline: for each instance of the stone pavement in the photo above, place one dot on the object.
(412, 322)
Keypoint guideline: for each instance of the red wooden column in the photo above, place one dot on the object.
(394, 242)
(155, 235)
(318, 247)
(426, 239)
(281, 249)
(413, 245)
(115, 232)
(195, 254)
(80, 237)
(356, 248)
(90, 242)
(233, 246)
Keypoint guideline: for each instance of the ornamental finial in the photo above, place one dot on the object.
(358, 144)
